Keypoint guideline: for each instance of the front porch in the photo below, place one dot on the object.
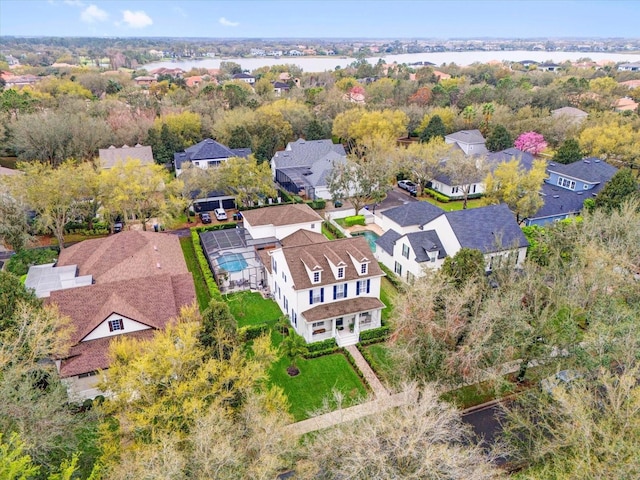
(339, 320)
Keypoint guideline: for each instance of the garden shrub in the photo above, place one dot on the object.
(212, 286)
(377, 334)
(251, 332)
(354, 220)
(393, 278)
(437, 195)
(19, 263)
(317, 204)
(318, 349)
(333, 230)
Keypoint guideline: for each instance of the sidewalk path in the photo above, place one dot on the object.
(349, 414)
(372, 379)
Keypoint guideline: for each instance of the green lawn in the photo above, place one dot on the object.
(202, 292)
(327, 233)
(381, 363)
(249, 308)
(454, 204)
(317, 379)
(388, 294)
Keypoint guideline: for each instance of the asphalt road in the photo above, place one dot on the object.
(395, 198)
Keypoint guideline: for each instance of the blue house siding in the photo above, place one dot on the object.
(579, 184)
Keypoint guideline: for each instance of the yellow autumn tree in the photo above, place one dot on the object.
(516, 186)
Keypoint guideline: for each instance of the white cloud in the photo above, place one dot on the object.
(228, 23)
(93, 14)
(137, 19)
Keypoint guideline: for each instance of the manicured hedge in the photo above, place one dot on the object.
(209, 228)
(353, 363)
(437, 195)
(393, 278)
(354, 220)
(251, 332)
(332, 228)
(317, 204)
(319, 349)
(377, 334)
(214, 291)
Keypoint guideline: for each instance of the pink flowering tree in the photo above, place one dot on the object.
(531, 142)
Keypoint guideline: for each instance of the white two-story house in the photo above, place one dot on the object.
(420, 235)
(327, 288)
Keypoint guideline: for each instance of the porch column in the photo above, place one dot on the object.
(356, 327)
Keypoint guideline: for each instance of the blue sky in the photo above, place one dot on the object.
(329, 18)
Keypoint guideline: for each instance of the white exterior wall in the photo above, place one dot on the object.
(324, 193)
(448, 189)
(279, 232)
(445, 233)
(386, 223)
(102, 330)
(519, 253)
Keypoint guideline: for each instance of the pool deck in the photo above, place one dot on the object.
(372, 227)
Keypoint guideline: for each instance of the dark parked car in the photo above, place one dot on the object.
(117, 227)
(205, 217)
(409, 186)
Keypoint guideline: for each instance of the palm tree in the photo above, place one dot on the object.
(294, 347)
(469, 115)
(488, 109)
(283, 324)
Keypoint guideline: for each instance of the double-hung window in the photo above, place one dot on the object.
(316, 295)
(363, 286)
(116, 324)
(339, 291)
(405, 250)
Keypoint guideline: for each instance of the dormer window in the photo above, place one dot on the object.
(364, 268)
(316, 277)
(116, 324)
(340, 272)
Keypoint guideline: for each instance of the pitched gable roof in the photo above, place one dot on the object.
(570, 112)
(109, 157)
(208, 149)
(127, 255)
(388, 240)
(413, 213)
(561, 201)
(424, 242)
(342, 250)
(505, 156)
(466, 136)
(489, 229)
(303, 237)
(305, 153)
(280, 215)
(590, 170)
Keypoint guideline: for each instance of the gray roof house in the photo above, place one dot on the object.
(419, 237)
(302, 168)
(571, 113)
(207, 153)
(568, 186)
(470, 141)
(109, 157)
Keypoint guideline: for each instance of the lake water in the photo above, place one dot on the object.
(321, 64)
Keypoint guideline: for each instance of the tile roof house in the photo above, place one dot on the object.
(420, 235)
(302, 168)
(329, 289)
(207, 153)
(570, 113)
(568, 186)
(109, 157)
(140, 283)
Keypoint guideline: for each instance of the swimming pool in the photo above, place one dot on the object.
(231, 262)
(370, 236)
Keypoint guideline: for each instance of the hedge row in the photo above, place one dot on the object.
(212, 286)
(353, 363)
(437, 195)
(19, 263)
(320, 349)
(77, 227)
(251, 332)
(393, 278)
(377, 334)
(209, 228)
(354, 220)
(315, 204)
(332, 228)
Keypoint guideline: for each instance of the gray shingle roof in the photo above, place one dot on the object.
(505, 156)
(413, 213)
(590, 170)
(467, 136)
(112, 155)
(569, 111)
(208, 149)
(488, 229)
(304, 153)
(424, 242)
(560, 201)
(387, 240)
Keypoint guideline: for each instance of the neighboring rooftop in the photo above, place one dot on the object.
(109, 157)
(505, 156)
(303, 237)
(413, 213)
(304, 153)
(208, 149)
(590, 170)
(488, 229)
(569, 112)
(467, 136)
(424, 242)
(279, 215)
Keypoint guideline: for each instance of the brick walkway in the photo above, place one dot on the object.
(372, 379)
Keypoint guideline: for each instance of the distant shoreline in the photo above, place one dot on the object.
(320, 63)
